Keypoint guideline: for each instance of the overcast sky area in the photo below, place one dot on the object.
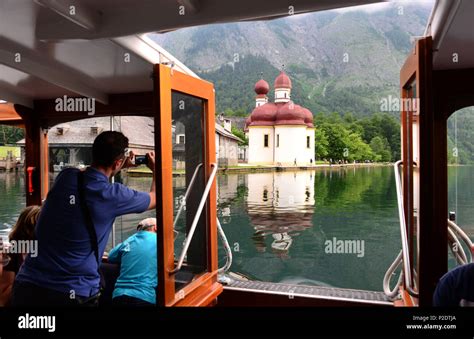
(381, 6)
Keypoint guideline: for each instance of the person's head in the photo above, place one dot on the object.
(24, 228)
(108, 151)
(148, 224)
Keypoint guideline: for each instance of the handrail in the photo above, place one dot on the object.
(453, 228)
(404, 258)
(459, 255)
(392, 294)
(196, 219)
(227, 249)
(463, 235)
(403, 232)
(183, 202)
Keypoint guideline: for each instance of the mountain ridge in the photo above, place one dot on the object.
(331, 56)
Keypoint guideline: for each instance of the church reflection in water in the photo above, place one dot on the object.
(280, 205)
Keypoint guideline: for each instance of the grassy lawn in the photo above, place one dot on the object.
(14, 149)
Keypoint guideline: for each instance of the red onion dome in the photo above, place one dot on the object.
(263, 115)
(290, 114)
(282, 81)
(262, 87)
(308, 117)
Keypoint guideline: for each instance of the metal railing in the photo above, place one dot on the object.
(392, 294)
(227, 249)
(407, 270)
(403, 257)
(192, 229)
(456, 247)
(188, 190)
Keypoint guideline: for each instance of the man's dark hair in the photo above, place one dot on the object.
(108, 146)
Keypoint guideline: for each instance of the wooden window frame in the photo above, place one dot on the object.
(430, 168)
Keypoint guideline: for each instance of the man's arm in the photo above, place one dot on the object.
(151, 165)
(132, 201)
(115, 256)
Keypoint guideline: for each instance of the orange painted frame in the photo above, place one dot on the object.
(408, 76)
(205, 289)
(8, 116)
(432, 213)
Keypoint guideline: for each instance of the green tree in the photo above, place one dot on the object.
(384, 126)
(338, 139)
(321, 144)
(240, 134)
(10, 135)
(358, 149)
(381, 149)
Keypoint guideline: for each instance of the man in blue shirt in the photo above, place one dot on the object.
(137, 281)
(65, 271)
(456, 288)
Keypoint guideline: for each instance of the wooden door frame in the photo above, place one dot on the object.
(205, 289)
(432, 214)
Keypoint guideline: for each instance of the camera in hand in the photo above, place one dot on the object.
(141, 160)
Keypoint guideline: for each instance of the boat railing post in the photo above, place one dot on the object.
(407, 270)
(189, 237)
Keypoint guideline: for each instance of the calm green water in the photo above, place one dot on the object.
(278, 223)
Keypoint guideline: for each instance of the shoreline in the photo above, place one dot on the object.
(242, 169)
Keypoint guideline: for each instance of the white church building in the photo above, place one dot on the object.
(280, 132)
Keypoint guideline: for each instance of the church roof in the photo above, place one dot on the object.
(262, 87)
(283, 81)
(280, 113)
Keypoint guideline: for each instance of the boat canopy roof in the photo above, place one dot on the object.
(52, 48)
(452, 28)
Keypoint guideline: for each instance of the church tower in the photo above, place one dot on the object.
(282, 88)
(261, 88)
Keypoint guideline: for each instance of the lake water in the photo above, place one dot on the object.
(278, 224)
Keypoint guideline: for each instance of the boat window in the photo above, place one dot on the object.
(12, 182)
(70, 145)
(188, 160)
(460, 183)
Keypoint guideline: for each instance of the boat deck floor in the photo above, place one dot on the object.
(320, 292)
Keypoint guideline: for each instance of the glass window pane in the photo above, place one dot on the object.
(188, 160)
(70, 145)
(12, 179)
